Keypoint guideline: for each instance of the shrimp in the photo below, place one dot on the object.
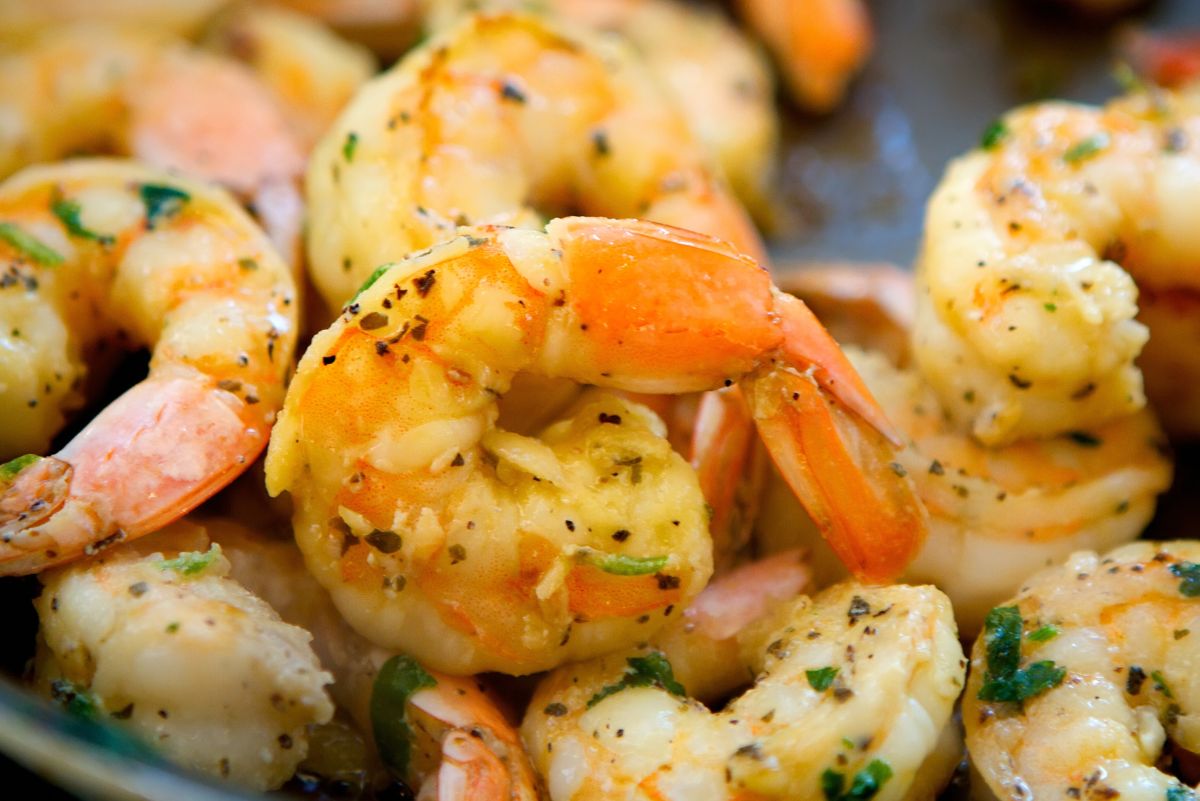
(497, 120)
(1026, 283)
(98, 253)
(312, 71)
(474, 548)
(26, 19)
(442, 734)
(853, 691)
(127, 92)
(154, 637)
(995, 513)
(1082, 679)
(819, 45)
(716, 77)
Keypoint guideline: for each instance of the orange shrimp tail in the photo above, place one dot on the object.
(843, 473)
(469, 770)
(1168, 60)
(150, 457)
(808, 345)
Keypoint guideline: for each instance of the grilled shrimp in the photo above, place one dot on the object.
(156, 638)
(709, 69)
(474, 548)
(312, 71)
(441, 734)
(101, 88)
(99, 253)
(1026, 283)
(1080, 681)
(853, 691)
(498, 120)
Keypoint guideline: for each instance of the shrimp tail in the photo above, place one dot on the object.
(843, 472)
(470, 770)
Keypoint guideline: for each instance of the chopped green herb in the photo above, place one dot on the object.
(847, 743)
(620, 565)
(29, 245)
(75, 699)
(1086, 148)
(1050, 307)
(1004, 679)
(1190, 573)
(821, 678)
(173, 627)
(161, 202)
(68, 212)
(1043, 634)
(653, 669)
(349, 146)
(866, 783)
(398, 679)
(1127, 78)
(372, 278)
(1160, 683)
(1085, 439)
(191, 563)
(994, 134)
(10, 469)
(1178, 792)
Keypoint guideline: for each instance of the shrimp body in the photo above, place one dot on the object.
(109, 89)
(101, 253)
(719, 80)
(853, 686)
(1027, 297)
(169, 648)
(497, 121)
(1083, 676)
(474, 548)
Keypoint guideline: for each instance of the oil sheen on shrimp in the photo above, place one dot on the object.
(720, 81)
(102, 255)
(1085, 675)
(156, 637)
(503, 118)
(1033, 243)
(100, 88)
(853, 689)
(474, 548)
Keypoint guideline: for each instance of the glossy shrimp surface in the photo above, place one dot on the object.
(852, 689)
(474, 548)
(100, 256)
(1085, 675)
(126, 91)
(1039, 249)
(500, 120)
(156, 637)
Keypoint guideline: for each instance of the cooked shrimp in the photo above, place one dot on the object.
(1080, 680)
(497, 121)
(388, 27)
(711, 71)
(107, 89)
(853, 691)
(441, 734)
(25, 19)
(310, 69)
(1025, 323)
(156, 638)
(100, 253)
(590, 537)
(819, 45)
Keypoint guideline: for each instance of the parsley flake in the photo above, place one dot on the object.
(30, 245)
(651, 670)
(865, 785)
(67, 211)
(398, 680)
(821, 678)
(994, 134)
(1086, 148)
(192, 563)
(161, 202)
(10, 469)
(621, 565)
(1190, 573)
(1004, 679)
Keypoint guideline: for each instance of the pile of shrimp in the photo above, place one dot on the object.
(478, 455)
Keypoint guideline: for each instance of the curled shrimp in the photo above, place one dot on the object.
(1082, 679)
(500, 119)
(819, 45)
(1026, 283)
(100, 253)
(444, 735)
(719, 80)
(107, 89)
(853, 689)
(155, 637)
(474, 548)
